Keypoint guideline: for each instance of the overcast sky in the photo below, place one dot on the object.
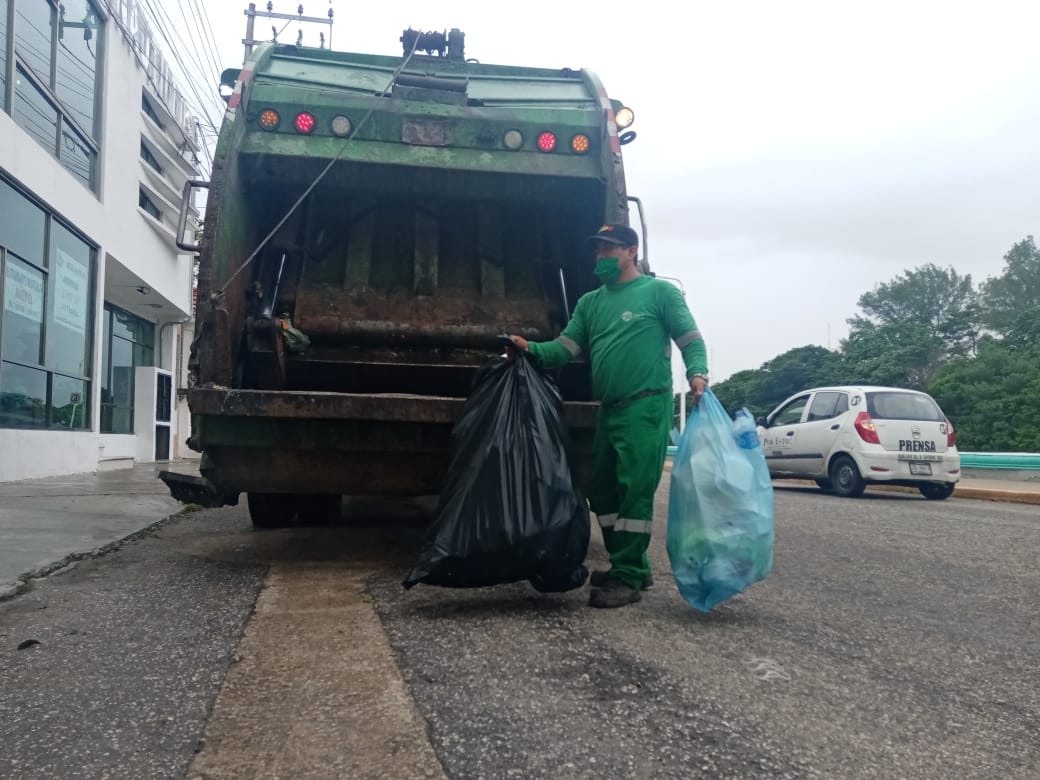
(790, 155)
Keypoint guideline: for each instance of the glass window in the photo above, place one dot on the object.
(22, 226)
(47, 318)
(23, 312)
(58, 44)
(792, 413)
(148, 157)
(3, 50)
(903, 406)
(23, 396)
(127, 326)
(69, 402)
(149, 111)
(33, 26)
(148, 205)
(825, 406)
(76, 77)
(68, 332)
(842, 405)
(78, 158)
(34, 113)
(129, 343)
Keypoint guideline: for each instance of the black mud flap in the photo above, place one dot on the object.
(190, 489)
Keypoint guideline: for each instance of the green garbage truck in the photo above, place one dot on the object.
(373, 225)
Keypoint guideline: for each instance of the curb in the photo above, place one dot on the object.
(23, 584)
(980, 494)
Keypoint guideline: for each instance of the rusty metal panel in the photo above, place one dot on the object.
(386, 407)
(427, 132)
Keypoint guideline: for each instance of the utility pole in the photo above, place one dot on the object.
(251, 14)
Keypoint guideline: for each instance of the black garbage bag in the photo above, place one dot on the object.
(511, 509)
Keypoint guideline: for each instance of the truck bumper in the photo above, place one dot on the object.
(279, 441)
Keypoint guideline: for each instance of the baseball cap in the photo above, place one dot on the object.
(616, 233)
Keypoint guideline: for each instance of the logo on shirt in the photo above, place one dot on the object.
(626, 317)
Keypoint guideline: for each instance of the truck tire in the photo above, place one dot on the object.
(271, 510)
(937, 492)
(319, 509)
(845, 477)
(824, 484)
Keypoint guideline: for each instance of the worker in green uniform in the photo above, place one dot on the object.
(626, 328)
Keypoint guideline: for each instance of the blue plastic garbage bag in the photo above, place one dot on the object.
(720, 508)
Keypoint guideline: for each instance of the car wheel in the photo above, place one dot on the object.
(845, 477)
(824, 484)
(937, 492)
(271, 510)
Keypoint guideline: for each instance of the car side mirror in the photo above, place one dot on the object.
(762, 421)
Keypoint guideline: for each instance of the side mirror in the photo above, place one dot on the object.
(762, 421)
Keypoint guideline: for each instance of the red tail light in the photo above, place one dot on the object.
(866, 429)
(304, 122)
(951, 440)
(546, 141)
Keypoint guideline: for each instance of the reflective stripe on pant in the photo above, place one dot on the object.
(630, 447)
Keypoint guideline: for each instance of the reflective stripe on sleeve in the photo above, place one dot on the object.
(571, 345)
(606, 521)
(688, 337)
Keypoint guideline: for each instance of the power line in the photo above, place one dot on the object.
(175, 50)
(201, 104)
(208, 27)
(139, 55)
(203, 40)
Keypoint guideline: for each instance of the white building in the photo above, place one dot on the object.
(95, 146)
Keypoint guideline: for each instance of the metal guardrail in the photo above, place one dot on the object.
(1000, 460)
(984, 460)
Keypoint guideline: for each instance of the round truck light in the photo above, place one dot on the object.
(546, 141)
(624, 117)
(341, 126)
(513, 140)
(269, 119)
(304, 122)
(580, 143)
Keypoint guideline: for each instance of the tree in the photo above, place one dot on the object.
(911, 326)
(992, 399)
(740, 390)
(760, 390)
(891, 355)
(1010, 303)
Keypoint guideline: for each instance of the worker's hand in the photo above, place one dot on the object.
(698, 385)
(514, 346)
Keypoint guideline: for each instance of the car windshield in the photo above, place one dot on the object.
(903, 406)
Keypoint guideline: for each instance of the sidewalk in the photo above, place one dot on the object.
(46, 524)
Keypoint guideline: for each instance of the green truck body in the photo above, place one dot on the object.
(426, 236)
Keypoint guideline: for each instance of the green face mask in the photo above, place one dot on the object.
(608, 269)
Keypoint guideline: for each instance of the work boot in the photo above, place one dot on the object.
(613, 593)
(599, 578)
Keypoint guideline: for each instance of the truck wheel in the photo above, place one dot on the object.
(937, 492)
(271, 510)
(824, 484)
(320, 509)
(845, 477)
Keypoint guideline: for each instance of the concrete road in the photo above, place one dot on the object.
(896, 638)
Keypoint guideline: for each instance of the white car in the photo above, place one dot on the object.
(845, 438)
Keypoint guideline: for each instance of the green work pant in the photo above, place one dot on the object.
(630, 447)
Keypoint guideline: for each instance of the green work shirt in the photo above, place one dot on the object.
(627, 332)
